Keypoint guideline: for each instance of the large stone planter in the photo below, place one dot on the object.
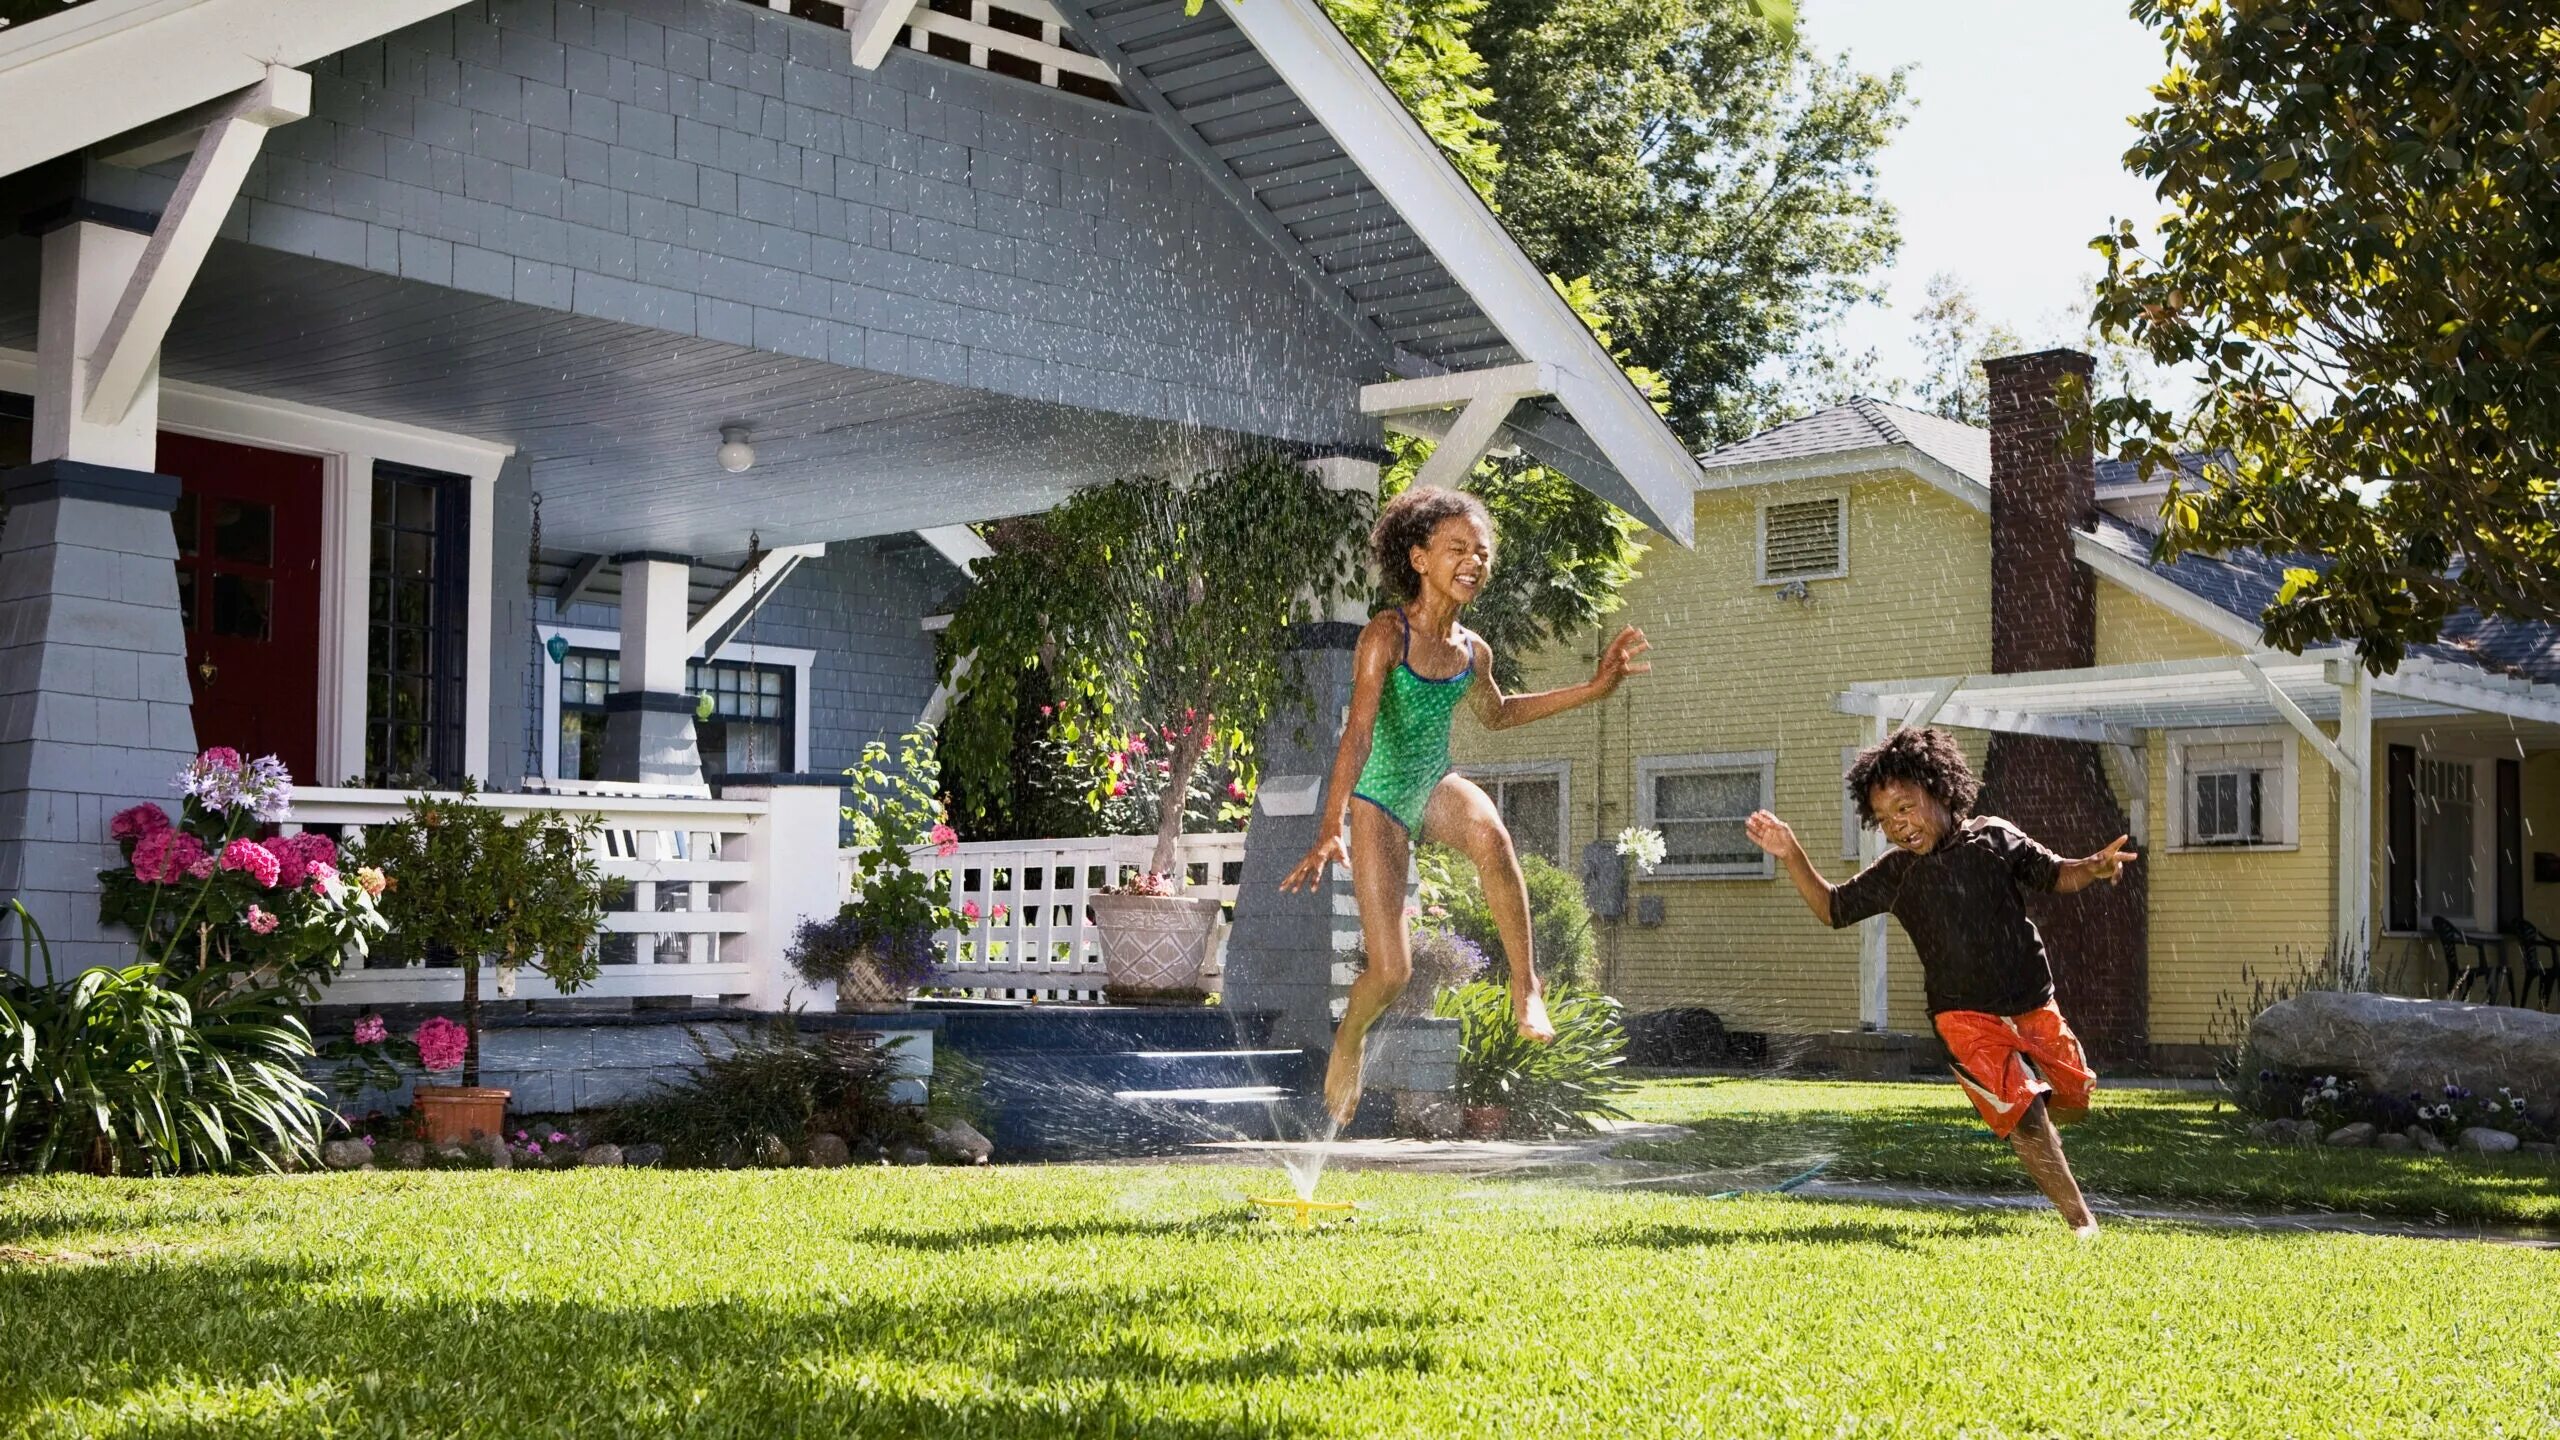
(1411, 1053)
(860, 990)
(2396, 1047)
(1155, 947)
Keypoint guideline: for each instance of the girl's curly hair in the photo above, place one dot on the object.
(1926, 757)
(1407, 521)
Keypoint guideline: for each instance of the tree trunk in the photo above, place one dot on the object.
(1177, 799)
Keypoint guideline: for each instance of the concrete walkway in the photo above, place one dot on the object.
(1595, 1160)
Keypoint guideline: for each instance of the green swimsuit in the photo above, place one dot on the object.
(1409, 743)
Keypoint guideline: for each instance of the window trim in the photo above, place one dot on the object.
(1839, 499)
(1651, 767)
(587, 637)
(1560, 771)
(2484, 836)
(2280, 816)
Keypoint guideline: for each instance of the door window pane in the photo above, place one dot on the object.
(243, 608)
(2448, 824)
(244, 531)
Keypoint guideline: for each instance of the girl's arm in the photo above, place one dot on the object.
(1498, 711)
(1370, 662)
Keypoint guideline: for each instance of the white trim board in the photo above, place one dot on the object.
(1866, 463)
(2281, 817)
(587, 637)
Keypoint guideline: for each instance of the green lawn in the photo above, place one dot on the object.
(1090, 1301)
(2136, 1145)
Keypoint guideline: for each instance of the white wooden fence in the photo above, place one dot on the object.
(680, 930)
(1034, 936)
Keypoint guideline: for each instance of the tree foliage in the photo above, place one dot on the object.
(2363, 265)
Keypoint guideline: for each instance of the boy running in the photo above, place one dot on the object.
(1957, 881)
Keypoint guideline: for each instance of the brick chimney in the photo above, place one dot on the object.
(2044, 617)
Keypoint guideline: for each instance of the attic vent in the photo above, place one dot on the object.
(1804, 540)
(1024, 39)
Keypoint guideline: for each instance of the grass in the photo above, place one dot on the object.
(2157, 1145)
(1122, 1302)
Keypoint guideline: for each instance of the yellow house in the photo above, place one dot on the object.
(1871, 566)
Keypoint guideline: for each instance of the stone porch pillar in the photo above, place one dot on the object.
(95, 711)
(1289, 953)
(648, 726)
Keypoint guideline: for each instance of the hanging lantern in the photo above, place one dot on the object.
(557, 647)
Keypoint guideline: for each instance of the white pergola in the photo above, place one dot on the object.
(2115, 705)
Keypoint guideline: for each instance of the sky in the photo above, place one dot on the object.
(2013, 154)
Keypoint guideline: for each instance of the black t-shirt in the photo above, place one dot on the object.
(1962, 905)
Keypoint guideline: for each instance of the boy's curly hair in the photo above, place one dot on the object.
(1407, 521)
(1926, 757)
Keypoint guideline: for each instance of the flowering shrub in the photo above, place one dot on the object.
(1145, 882)
(1442, 959)
(372, 1058)
(828, 948)
(2330, 1101)
(896, 908)
(204, 889)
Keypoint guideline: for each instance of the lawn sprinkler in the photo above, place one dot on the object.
(1306, 1209)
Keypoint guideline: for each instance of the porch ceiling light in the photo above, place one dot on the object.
(735, 454)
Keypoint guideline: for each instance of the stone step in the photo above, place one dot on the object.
(994, 1028)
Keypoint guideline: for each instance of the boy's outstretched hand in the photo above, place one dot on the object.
(2107, 865)
(1771, 834)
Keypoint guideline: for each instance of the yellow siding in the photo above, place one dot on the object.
(1739, 669)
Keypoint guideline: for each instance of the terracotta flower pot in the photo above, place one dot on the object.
(458, 1114)
(1155, 947)
(1484, 1122)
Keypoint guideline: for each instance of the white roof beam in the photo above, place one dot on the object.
(874, 25)
(742, 596)
(958, 544)
(2284, 706)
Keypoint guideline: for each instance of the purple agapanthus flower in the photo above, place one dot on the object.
(221, 781)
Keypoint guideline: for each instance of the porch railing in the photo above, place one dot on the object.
(681, 929)
(1045, 946)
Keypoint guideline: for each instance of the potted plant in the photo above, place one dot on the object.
(1154, 610)
(880, 946)
(471, 885)
(1509, 1085)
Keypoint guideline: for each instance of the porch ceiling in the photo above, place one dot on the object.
(2112, 702)
(620, 421)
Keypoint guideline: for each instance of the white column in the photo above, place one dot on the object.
(649, 719)
(86, 269)
(793, 874)
(2353, 927)
(1871, 935)
(655, 601)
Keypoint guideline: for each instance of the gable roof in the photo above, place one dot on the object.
(2225, 594)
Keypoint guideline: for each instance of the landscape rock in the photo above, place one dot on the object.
(403, 1154)
(2485, 1141)
(2394, 1046)
(346, 1154)
(772, 1153)
(452, 1155)
(2266, 1129)
(2543, 1148)
(2393, 1140)
(914, 1155)
(2353, 1137)
(826, 1152)
(960, 1143)
(601, 1157)
(644, 1156)
(493, 1148)
(2429, 1142)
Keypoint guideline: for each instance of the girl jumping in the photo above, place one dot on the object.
(1434, 551)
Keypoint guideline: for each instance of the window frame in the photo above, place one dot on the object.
(2484, 838)
(1837, 499)
(2279, 800)
(1650, 768)
(586, 637)
(1501, 772)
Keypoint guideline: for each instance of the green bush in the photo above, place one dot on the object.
(138, 1070)
(774, 1085)
(1563, 1085)
(1559, 921)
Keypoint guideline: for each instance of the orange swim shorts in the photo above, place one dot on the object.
(2005, 1061)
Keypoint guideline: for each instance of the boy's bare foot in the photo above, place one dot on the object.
(1529, 1009)
(1342, 1078)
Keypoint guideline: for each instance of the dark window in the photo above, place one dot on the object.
(586, 678)
(414, 653)
(749, 729)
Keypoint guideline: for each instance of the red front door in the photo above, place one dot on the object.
(248, 525)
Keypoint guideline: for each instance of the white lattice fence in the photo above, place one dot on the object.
(675, 932)
(1033, 936)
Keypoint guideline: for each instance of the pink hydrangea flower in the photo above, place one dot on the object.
(322, 877)
(372, 1030)
(442, 1044)
(260, 922)
(164, 857)
(946, 841)
(135, 823)
(259, 861)
(220, 757)
(201, 867)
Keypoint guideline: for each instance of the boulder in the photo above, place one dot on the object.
(2265, 1130)
(2427, 1141)
(601, 1157)
(493, 1148)
(826, 1152)
(2393, 1140)
(2395, 1047)
(346, 1154)
(959, 1143)
(2543, 1148)
(452, 1157)
(2353, 1137)
(913, 1155)
(402, 1155)
(2482, 1140)
(644, 1156)
(772, 1153)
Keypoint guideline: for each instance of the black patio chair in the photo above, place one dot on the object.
(2541, 957)
(2488, 965)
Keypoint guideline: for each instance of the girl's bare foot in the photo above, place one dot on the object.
(1529, 1008)
(1342, 1078)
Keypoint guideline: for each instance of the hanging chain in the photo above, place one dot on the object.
(533, 551)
